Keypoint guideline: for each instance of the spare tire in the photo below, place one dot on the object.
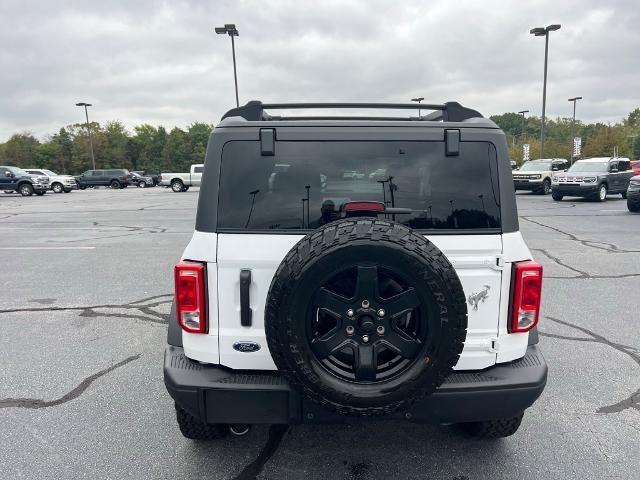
(364, 316)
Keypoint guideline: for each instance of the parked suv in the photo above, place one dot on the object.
(535, 175)
(115, 178)
(14, 179)
(593, 178)
(311, 295)
(633, 194)
(57, 183)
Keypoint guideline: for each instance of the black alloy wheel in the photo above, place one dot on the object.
(365, 324)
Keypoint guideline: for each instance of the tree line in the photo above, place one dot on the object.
(149, 148)
(154, 149)
(598, 139)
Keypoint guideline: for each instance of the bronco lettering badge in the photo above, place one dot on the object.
(476, 297)
(246, 347)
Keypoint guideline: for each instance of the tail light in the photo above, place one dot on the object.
(526, 289)
(364, 206)
(191, 296)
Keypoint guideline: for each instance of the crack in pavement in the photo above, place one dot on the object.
(35, 403)
(556, 260)
(581, 274)
(610, 247)
(90, 311)
(252, 470)
(633, 400)
(131, 230)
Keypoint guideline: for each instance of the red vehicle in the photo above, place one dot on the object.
(635, 165)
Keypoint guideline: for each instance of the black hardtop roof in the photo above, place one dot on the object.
(449, 112)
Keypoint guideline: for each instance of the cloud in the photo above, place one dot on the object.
(161, 63)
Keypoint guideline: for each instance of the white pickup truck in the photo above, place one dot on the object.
(180, 182)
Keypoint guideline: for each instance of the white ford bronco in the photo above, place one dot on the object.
(308, 294)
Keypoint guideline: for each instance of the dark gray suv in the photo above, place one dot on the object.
(114, 178)
(593, 178)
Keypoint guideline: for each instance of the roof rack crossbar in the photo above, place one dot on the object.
(382, 106)
(448, 112)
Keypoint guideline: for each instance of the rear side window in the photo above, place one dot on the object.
(198, 169)
(308, 184)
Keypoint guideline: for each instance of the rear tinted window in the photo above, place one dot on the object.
(198, 169)
(308, 184)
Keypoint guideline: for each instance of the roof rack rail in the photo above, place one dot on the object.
(448, 112)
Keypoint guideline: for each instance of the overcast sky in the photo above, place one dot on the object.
(161, 63)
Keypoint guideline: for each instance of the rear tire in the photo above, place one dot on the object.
(67, 190)
(40, 193)
(633, 205)
(82, 187)
(624, 194)
(115, 184)
(177, 186)
(557, 196)
(500, 428)
(195, 429)
(185, 188)
(142, 184)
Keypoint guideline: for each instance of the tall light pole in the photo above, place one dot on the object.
(86, 114)
(418, 99)
(544, 32)
(231, 30)
(524, 122)
(573, 124)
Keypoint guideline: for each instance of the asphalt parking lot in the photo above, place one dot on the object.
(84, 300)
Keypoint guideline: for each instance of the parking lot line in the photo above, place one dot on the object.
(47, 248)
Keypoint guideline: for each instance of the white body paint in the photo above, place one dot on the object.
(479, 260)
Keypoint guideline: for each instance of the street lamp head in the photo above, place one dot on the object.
(522, 112)
(83, 104)
(538, 31)
(551, 28)
(417, 99)
(229, 28)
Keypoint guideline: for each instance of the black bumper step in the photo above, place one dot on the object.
(217, 394)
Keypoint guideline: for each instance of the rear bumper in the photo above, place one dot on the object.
(216, 394)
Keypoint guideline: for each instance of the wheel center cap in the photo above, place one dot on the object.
(367, 323)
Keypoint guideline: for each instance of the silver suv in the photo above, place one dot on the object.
(536, 175)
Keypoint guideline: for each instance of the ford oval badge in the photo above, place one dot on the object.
(246, 347)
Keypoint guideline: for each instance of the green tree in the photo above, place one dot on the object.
(65, 148)
(20, 150)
